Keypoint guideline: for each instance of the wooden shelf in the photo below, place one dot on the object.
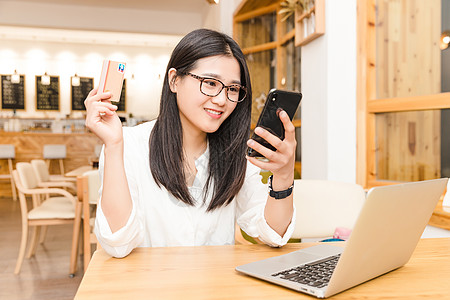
(314, 16)
(306, 14)
(440, 217)
(297, 123)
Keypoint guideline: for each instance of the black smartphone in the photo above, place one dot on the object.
(269, 120)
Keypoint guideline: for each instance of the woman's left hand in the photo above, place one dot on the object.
(282, 161)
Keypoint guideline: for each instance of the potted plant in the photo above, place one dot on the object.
(288, 7)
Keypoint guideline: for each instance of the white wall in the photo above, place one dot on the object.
(37, 51)
(220, 17)
(20, 13)
(212, 17)
(329, 97)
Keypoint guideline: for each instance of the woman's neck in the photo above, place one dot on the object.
(194, 140)
(194, 145)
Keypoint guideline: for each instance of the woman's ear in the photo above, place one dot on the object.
(172, 76)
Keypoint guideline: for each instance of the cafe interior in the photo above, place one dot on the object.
(374, 75)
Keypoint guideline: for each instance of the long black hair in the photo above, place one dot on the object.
(227, 163)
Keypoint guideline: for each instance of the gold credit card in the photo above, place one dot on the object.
(111, 79)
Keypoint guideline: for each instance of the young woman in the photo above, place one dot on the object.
(184, 179)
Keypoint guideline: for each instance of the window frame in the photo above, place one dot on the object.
(367, 103)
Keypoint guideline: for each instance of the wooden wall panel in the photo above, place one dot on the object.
(408, 64)
(80, 150)
(408, 145)
(408, 54)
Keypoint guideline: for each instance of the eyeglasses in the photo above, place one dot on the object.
(212, 87)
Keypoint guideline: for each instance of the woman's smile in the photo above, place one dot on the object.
(214, 113)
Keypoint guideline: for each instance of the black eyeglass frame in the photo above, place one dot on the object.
(226, 87)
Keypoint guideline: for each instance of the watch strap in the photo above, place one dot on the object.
(279, 194)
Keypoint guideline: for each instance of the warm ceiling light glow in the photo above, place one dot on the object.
(75, 80)
(15, 78)
(213, 1)
(445, 40)
(45, 79)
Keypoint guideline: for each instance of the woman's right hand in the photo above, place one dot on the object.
(102, 119)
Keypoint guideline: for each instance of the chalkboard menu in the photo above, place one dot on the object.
(47, 96)
(13, 94)
(79, 93)
(121, 104)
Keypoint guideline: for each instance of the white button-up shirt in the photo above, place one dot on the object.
(158, 219)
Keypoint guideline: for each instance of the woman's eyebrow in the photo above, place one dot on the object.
(220, 77)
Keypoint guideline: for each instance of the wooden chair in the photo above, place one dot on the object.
(321, 207)
(88, 185)
(97, 151)
(46, 180)
(58, 152)
(8, 152)
(52, 211)
(324, 205)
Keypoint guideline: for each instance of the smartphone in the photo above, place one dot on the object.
(111, 78)
(269, 120)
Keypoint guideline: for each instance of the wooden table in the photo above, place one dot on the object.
(207, 272)
(79, 171)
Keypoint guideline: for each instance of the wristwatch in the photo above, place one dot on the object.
(279, 194)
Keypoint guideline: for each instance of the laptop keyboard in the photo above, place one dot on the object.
(316, 274)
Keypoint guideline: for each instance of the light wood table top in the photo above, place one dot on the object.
(207, 272)
(79, 171)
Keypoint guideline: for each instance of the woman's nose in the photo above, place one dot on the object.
(221, 98)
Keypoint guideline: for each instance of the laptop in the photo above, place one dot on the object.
(384, 237)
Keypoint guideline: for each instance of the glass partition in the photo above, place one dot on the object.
(287, 24)
(262, 67)
(290, 69)
(258, 30)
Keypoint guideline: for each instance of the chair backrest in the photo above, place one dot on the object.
(93, 185)
(40, 170)
(98, 150)
(54, 151)
(22, 199)
(26, 174)
(7, 151)
(24, 179)
(323, 205)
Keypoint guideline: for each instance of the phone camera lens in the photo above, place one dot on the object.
(274, 97)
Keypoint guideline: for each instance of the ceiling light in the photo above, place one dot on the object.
(45, 79)
(15, 78)
(445, 40)
(75, 80)
(213, 1)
